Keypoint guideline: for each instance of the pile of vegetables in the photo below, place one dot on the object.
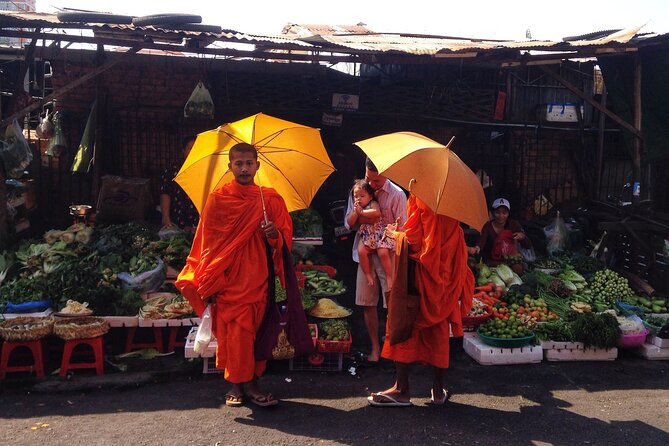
(501, 275)
(85, 265)
(592, 329)
(333, 330)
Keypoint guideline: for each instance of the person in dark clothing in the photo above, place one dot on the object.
(176, 207)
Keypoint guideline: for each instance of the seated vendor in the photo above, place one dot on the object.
(499, 238)
(176, 207)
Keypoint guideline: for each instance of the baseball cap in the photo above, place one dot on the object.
(501, 202)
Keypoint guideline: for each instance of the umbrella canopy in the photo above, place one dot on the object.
(292, 158)
(432, 172)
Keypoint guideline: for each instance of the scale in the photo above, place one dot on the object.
(80, 212)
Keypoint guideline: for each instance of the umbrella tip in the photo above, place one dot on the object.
(448, 146)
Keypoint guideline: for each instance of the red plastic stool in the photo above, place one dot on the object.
(157, 343)
(38, 362)
(172, 342)
(71, 344)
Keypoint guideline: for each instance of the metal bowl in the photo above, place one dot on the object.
(80, 210)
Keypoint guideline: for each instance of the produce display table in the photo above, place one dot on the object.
(44, 313)
(487, 355)
(122, 321)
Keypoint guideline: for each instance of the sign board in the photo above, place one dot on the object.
(345, 102)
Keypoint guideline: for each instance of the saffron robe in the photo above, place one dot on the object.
(445, 284)
(228, 263)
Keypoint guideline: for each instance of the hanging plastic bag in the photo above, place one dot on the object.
(204, 334)
(200, 104)
(556, 235)
(147, 281)
(45, 127)
(83, 159)
(529, 256)
(15, 151)
(57, 142)
(504, 246)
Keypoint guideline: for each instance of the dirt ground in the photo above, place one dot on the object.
(168, 401)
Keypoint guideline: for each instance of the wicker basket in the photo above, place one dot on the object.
(80, 328)
(25, 328)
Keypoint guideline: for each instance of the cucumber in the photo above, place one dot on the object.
(657, 309)
(659, 302)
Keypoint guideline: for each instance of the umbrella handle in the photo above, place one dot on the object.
(411, 181)
(262, 200)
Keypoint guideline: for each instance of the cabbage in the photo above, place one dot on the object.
(497, 281)
(505, 273)
(485, 271)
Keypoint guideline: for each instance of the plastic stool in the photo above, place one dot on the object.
(38, 362)
(157, 343)
(71, 344)
(172, 342)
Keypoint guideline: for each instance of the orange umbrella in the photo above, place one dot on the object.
(292, 158)
(432, 172)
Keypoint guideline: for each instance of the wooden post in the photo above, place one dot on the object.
(600, 146)
(636, 143)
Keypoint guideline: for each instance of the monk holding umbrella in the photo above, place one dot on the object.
(240, 219)
(444, 191)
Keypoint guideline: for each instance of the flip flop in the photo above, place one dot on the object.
(263, 400)
(233, 400)
(390, 401)
(439, 401)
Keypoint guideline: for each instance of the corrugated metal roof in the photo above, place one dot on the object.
(351, 39)
(425, 45)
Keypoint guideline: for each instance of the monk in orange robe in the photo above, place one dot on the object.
(227, 267)
(445, 284)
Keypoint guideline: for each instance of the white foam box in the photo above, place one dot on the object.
(189, 351)
(652, 352)
(486, 355)
(576, 351)
(658, 342)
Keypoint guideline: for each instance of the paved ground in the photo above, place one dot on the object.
(168, 401)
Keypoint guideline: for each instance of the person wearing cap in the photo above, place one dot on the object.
(494, 227)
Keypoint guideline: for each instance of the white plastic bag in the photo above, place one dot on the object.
(203, 335)
(556, 235)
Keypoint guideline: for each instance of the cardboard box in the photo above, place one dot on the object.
(123, 199)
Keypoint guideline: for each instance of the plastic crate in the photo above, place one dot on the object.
(325, 346)
(487, 355)
(332, 362)
(209, 366)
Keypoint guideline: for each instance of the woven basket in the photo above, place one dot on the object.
(25, 328)
(80, 327)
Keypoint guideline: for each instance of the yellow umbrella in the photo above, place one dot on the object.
(292, 159)
(432, 172)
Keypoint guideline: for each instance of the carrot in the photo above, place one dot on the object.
(486, 288)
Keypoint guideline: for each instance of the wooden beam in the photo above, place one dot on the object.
(71, 86)
(627, 126)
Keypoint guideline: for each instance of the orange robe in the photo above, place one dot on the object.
(228, 261)
(445, 284)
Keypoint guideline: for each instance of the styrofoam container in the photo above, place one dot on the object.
(189, 351)
(487, 355)
(652, 352)
(580, 354)
(209, 366)
(658, 342)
